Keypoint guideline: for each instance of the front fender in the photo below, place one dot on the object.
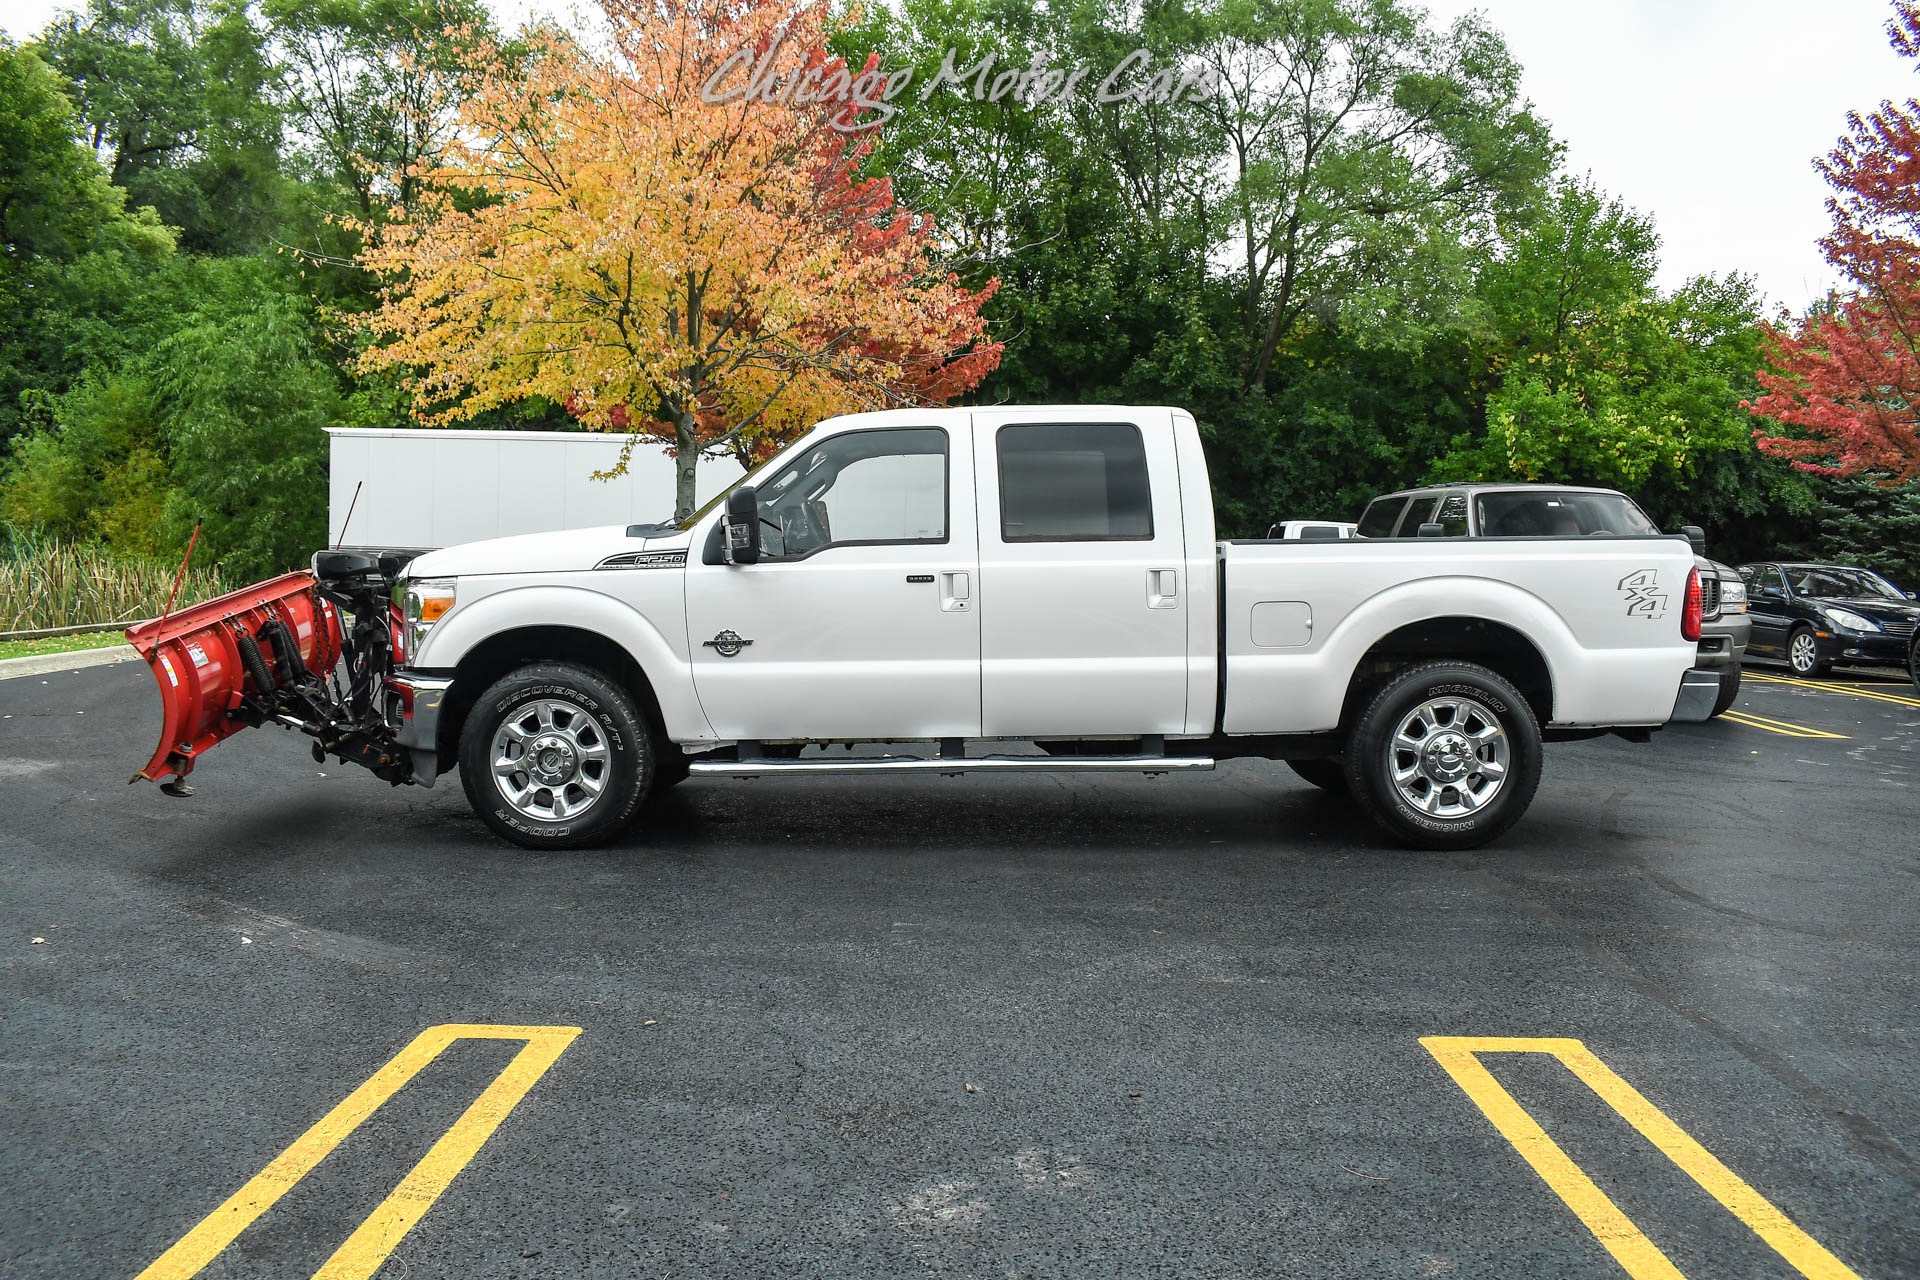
(662, 659)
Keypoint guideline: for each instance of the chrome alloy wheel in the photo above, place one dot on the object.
(550, 760)
(1803, 654)
(1449, 757)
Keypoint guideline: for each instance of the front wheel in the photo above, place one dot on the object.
(1445, 756)
(555, 756)
(1803, 653)
(1729, 689)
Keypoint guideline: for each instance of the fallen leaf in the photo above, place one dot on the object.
(971, 1089)
(245, 940)
(39, 939)
(650, 1023)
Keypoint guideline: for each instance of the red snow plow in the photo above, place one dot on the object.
(278, 652)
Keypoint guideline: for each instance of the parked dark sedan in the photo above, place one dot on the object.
(1814, 615)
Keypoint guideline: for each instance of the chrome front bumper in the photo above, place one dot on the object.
(1699, 689)
(414, 713)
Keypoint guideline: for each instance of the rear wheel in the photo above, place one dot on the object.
(1729, 689)
(1913, 662)
(1328, 775)
(1803, 653)
(1445, 756)
(555, 756)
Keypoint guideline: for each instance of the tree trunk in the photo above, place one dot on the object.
(686, 453)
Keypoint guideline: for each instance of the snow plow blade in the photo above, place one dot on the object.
(224, 665)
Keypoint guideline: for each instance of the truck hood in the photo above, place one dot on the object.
(565, 551)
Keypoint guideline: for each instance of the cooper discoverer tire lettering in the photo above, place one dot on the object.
(556, 756)
(1446, 755)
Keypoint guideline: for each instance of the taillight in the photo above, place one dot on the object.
(1696, 607)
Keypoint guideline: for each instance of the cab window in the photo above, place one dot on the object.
(1453, 515)
(858, 488)
(1419, 511)
(1074, 483)
(1381, 516)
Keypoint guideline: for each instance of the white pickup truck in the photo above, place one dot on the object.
(966, 579)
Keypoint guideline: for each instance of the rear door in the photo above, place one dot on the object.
(1084, 597)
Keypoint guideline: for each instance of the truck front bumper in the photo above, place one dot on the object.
(1699, 688)
(1723, 640)
(413, 709)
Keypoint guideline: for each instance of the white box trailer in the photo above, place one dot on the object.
(427, 488)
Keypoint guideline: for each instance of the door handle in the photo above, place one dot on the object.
(956, 591)
(1163, 588)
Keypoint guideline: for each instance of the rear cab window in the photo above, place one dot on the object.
(1419, 511)
(1381, 515)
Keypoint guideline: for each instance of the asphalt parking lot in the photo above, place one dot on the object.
(1033, 1027)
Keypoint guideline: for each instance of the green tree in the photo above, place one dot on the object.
(175, 98)
(71, 255)
(1591, 374)
(365, 83)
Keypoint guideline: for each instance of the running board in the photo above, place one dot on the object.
(765, 767)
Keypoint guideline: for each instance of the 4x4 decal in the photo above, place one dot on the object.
(1645, 599)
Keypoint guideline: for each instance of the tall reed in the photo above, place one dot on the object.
(45, 583)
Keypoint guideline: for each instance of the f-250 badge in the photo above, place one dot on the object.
(1644, 597)
(727, 644)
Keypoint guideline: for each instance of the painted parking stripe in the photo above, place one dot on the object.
(367, 1248)
(1854, 690)
(1771, 725)
(1630, 1247)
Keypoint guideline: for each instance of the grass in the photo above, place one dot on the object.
(60, 644)
(63, 584)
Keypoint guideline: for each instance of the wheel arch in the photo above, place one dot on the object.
(507, 651)
(1501, 648)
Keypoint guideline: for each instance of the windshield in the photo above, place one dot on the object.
(1536, 513)
(1839, 584)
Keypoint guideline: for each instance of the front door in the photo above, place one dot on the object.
(1083, 592)
(1767, 606)
(860, 620)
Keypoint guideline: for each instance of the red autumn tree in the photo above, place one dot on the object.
(662, 228)
(1843, 385)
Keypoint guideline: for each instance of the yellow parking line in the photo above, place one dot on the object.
(1851, 689)
(367, 1248)
(1630, 1247)
(1752, 721)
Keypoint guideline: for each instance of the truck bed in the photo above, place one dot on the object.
(1602, 614)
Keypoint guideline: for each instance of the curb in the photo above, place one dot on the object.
(41, 664)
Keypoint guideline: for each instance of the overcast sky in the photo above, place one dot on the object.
(1706, 114)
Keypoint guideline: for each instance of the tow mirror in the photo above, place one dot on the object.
(1696, 537)
(741, 539)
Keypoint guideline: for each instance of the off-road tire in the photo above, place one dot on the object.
(629, 769)
(1371, 754)
(1330, 775)
(1729, 690)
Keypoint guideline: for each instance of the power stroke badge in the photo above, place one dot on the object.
(727, 644)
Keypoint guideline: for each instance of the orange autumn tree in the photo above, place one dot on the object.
(662, 228)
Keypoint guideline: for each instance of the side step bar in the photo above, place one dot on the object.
(762, 767)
